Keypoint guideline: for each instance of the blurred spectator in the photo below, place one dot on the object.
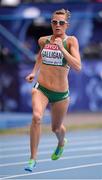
(93, 51)
(7, 56)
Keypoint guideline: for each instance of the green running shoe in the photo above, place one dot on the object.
(31, 165)
(59, 151)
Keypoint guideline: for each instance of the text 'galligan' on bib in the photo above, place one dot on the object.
(52, 55)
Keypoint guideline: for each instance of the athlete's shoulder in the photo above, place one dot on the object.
(42, 40)
(72, 39)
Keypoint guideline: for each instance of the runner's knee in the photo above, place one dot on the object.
(57, 129)
(36, 118)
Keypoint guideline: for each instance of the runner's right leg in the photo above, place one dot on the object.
(39, 103)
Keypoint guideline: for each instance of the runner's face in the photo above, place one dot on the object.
(59, 24)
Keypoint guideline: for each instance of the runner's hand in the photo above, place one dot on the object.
(58, 41)
(30, 77)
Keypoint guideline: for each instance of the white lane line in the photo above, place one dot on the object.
(44, 141)
(41, 146)
(93, 148)
(1, 175)
(54, 170)
(47, 160)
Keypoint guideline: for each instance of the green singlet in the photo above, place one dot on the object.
(52, 55)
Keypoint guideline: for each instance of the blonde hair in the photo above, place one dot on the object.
(63, 12)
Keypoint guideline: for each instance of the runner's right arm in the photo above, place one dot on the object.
(38, 63)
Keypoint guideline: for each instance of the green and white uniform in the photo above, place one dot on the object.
(52, 56)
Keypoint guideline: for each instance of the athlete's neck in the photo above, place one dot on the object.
(59, 36)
